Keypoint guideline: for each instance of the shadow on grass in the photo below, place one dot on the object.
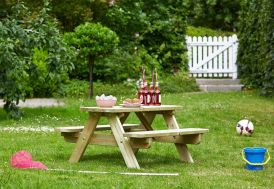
(113, 159)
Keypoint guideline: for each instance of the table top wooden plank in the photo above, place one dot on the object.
(117, 109)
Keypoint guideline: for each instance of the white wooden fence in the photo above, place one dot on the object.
(212, 56)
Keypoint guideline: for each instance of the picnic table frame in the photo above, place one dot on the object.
(116, 117)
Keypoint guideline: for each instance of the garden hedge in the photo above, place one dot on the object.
(256, 52)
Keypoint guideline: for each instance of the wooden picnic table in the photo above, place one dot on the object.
(128, 140)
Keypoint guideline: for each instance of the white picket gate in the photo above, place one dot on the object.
(212, 56)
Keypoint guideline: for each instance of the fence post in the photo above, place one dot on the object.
(235, 50)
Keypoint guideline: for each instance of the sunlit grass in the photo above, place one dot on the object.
(218, 162)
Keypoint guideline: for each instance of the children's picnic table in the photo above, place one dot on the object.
(130, 137)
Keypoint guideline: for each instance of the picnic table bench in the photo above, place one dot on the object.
(131, 137)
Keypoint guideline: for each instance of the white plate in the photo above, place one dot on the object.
(131, 105)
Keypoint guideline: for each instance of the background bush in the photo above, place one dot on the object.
(34, 59)
(202, 31)
(178, 84)
(124, 64)
(79, 89)
(256, 52)
(157, 26)
(128, 89)
(215, 14)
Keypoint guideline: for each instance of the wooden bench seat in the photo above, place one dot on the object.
(76, 129)
(177, 136)
(72, 133)
(161, 133)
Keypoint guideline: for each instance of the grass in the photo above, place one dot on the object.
(218, 162)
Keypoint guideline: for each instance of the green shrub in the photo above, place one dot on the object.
(158, 26)
(123, 64)
(217, 14)
(34, 59)
(79, 89)
(178, 84)
(74, 89)
(202, 31)
(126, 89)
(256, 52)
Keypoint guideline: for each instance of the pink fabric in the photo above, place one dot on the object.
(23, 160)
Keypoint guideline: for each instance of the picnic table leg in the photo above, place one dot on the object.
(83, 140)
(146, 119)
(123, 117)
(181, 148)
(123, 143)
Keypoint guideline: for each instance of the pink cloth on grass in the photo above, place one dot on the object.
(23, 160)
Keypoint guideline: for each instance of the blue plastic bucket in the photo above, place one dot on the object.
(254, 158)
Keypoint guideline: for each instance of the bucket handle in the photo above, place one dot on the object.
(256, 163)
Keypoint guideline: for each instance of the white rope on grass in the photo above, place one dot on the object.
(120, 173)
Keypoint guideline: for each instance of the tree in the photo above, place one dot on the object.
(33, 56)
(92, 40)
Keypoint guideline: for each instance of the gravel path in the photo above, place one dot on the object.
(38, 102)
(26, 129)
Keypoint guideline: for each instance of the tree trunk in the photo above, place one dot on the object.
(91, 59)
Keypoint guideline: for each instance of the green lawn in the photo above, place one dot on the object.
(218, 162)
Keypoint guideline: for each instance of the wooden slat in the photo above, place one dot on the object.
(96, 139)
(121, 109)
(123, 117)
(143, 143)
(72, 129)
(181, 139)
(169, 132)
(182, 149)
(205, 54)
(200, 53)
(146, 120)
(210, 63)
(108, 140)
(171, 120)
(123, 143)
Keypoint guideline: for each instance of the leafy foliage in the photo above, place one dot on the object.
(216, 14)
(124, 64)
(165, 38)
(179, 83)
(78, 89)
(33, 58)
(92, 40)
(256, 53)
(75, 89)
(168, 84)
(202, 31)
(159, 27)
(70, 13)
